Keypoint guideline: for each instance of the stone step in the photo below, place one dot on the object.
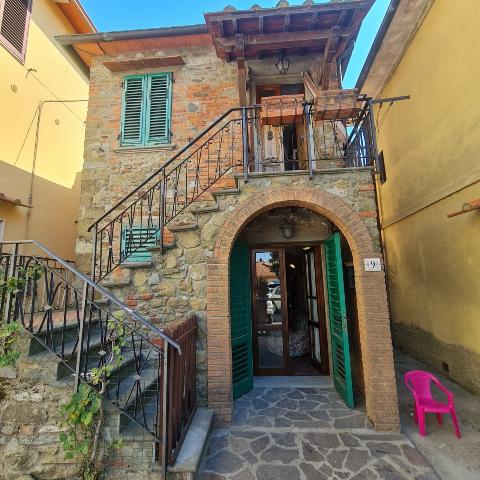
(136, 265)
(166, 246)
(226, 191)
(182, 227)
(203, 210)
(116, 283)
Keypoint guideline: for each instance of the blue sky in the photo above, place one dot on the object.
(109, 15)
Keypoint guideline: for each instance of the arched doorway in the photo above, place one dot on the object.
(372, 312)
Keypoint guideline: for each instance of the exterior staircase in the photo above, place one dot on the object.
(71, 327)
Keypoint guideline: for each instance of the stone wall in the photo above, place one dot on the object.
(30, 420)
(203, 89)
(176, 285)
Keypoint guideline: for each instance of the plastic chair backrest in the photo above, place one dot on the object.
(418, 381)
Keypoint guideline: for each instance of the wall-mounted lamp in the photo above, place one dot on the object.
(283, 63)
(287, 230)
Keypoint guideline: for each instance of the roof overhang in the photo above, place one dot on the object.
(325, 29)
(111, 43)
(328, 29)
(402, 20)
(76, 15)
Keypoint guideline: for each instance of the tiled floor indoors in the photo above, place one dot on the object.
(297, 428)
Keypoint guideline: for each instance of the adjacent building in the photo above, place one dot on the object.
(43, 93)
(428, 186)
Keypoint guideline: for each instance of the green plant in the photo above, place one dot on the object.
(84, 413)
(9, 332)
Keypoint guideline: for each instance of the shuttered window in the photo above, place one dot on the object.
(14, 21)
(146, 109)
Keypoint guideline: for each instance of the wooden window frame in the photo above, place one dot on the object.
(145, 115)
(20, 56)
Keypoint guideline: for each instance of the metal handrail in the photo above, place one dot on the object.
(169, 162)
(103, 291)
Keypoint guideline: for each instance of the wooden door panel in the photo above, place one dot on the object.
(241, 319)
(342, 374)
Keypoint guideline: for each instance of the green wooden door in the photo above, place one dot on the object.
(241, 319)
(342, 373)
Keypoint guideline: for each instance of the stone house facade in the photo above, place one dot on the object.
(237, 195)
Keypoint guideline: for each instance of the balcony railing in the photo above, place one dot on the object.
(237, 142)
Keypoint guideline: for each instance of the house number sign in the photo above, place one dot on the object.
(373, 265)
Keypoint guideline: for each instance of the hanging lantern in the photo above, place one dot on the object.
(283, 63)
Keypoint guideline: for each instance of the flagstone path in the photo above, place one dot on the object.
(307, 433)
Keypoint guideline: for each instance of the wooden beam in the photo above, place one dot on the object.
(341, 17)
(314, 21)
(282, 40)
(242, 73)
(126, 65)
(220, 28)
(329, 56)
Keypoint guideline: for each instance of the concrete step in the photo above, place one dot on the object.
(189, 460)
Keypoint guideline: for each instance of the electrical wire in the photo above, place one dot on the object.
(59, 100)
(26, 135)
(380, 122)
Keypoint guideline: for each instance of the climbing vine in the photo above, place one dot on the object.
(84, 415)
(9, 332)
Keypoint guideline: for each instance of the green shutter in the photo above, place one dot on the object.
(241, 319)
(342, 373)
(133, 108)
(159, 108)
(135, 243)
(146, 109)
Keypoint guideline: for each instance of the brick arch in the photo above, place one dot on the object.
(374, 323)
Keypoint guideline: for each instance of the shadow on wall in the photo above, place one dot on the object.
(53, 218)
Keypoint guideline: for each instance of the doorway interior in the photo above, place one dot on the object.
(288, 315)
(293, 304)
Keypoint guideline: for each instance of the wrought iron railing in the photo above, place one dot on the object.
(78, 320)
(236, 142)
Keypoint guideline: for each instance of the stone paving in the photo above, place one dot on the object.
(307, 433)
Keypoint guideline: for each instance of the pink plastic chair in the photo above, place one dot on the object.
(418, 382)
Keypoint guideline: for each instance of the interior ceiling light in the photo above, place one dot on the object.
(287, 230)
(283, 63)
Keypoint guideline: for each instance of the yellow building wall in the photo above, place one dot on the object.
(49, 73)
(431, 147)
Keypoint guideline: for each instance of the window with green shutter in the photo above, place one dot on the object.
(146, 109)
